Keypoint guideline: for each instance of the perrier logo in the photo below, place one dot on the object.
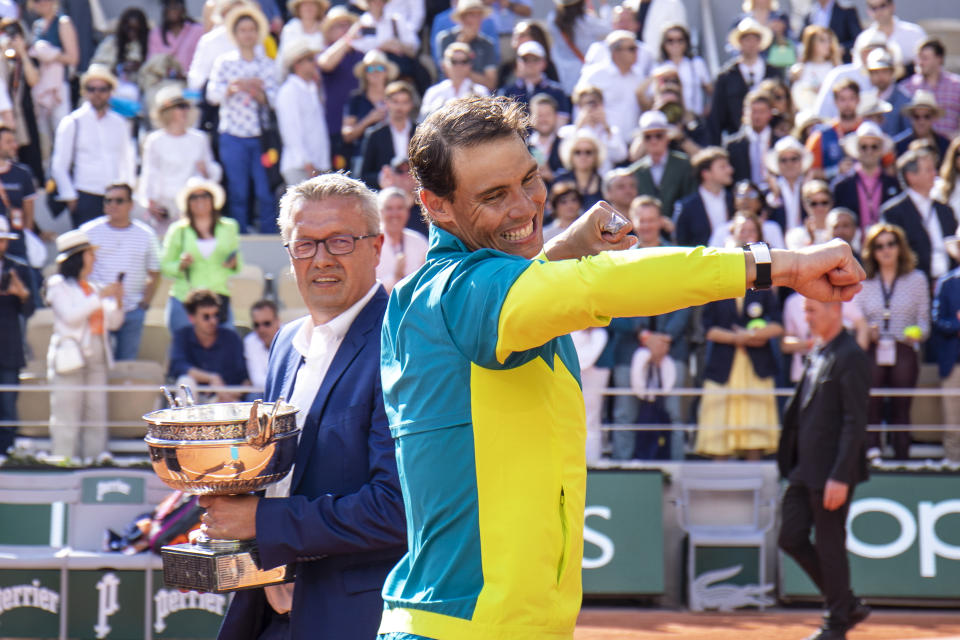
(107, 603)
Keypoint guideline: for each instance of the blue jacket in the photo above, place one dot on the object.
(691, 224)
(946, 303)
(343, 524)
(723, 314)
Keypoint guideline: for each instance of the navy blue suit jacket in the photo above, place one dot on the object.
(343, 524)
(723, 314)
(691, 224)
(901, 211)
(946, 303)
(739, 149)
(726, 112)
(377, 151)
(845, 24)
(845, 192)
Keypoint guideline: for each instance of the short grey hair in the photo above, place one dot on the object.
(392, 192)
(613, 175)
(328, 185)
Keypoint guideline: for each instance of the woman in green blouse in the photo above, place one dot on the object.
(200, 251)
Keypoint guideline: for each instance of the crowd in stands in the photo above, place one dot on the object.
(164, 143)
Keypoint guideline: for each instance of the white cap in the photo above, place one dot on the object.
(531, 48)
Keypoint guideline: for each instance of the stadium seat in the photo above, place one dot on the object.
(287, 292)
(39, 330)
(128, 407)
(245, 289)
(155, 344)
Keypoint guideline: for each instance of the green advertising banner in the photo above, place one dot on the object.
(188, 616)
(903, 539)
(30, 603)
(106, 605)
(118, 490)
(623, 533)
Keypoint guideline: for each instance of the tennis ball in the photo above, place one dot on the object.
(913, 331)
(756, 323)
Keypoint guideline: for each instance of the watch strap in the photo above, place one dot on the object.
(763, 261)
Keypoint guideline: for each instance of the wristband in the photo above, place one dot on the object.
(762, 260)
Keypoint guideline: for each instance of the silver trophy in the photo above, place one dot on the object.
(220, 449)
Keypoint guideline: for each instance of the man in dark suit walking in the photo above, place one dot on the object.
(925, 221)
(842, 20)
(339, 515)
(823, 456)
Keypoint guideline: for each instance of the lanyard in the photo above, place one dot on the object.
(887, 296)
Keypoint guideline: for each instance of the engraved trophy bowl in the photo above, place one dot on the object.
(220, 449)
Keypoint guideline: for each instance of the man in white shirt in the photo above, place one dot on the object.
(456, 67)
(127, 252)
(256, 344)
(825, 104)
(92, 149)
(390, 139)
(900, 33)
(340, 507)
(619, 81)
(300, 116)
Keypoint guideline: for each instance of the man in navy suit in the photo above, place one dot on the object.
(925, 221)
(339, 516)
(708, 207)
(748, 148)
(389, 140)
(843, 21)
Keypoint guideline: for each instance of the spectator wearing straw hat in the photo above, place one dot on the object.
(469, 15)
(303, 126)
(457, 59)
(661, 173)
(79, 352)
(367, 106)
(200, 250)
(839, 18)
(922, 112)
(882, 70)
(787, 163)
(305, 25)
(243, 83)
(743, 74)
(905, 35)
(867, 189)
(16, 305)
(945, 86)
(172, 154)
(93, 148)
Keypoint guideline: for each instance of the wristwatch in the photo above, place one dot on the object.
(761, 257)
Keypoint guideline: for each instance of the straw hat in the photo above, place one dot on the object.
(466, 6)
(803, 120)
(98, 72)
(923, 99)
(787, 143)
(880, 59)
(372, 57)
(295, 52)
(247, 11)
(169, 96)
(5, 233)
(337, 14)
(294, 5)
(872, 105)
(751, 25)
(72, 242)
(195, 184)
(869, 129)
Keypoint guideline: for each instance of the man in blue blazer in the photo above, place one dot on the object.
(697, 215)
(378, 149)
(340, 519)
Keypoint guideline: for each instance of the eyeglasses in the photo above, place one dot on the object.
(114, 200)
(199, 196)
(265, 323)
(789, 159)
(337, 245)
(207, 317)
(656, 135)
(818, 203)
(97, 89)
(921, 116)
(583, 152)
(459, 62)
(181, 105)
(886, 245)
(373, 68)
(869, 147)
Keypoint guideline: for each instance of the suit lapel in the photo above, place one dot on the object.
(370, 317)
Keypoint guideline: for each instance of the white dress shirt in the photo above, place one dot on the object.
(821, 15)
(256, 354)
(619, 95)
(169, 161)
(317, 344)
(390, 26)
(103, 153)
(401, 139)
(443, 92)
(939, 260)
(303, 125)
(753, 73)
(906, 36)
(759, 145)
(716, 207)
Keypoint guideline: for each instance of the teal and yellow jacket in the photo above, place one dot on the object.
(482, 391)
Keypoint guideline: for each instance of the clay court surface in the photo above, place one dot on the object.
(658, 624)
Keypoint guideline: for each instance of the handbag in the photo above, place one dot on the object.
(68, 357)
(270, 146)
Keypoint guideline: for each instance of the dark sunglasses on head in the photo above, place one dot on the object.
(97, 89)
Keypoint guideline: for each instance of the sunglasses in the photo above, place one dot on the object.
(199, 196)
(789, 159)
(886, 245)
(97, 89)
(922, 116)
(583, 152)
(818, 203)
(114, 200)
(630, 48)
(656, 135)
(459, 62)
(530, 59)
(869, 147)
(265, 323)
(374, 68)
(207, 317)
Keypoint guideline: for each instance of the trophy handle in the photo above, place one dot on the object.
(188, 395)
(171, 399)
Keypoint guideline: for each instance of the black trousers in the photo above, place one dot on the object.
(89, 206)
(825, 559)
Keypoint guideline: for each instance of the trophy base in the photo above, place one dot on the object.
(218, 567)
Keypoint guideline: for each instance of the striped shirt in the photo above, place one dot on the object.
(130, 250)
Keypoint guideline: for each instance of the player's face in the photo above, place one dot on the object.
(499, 199)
